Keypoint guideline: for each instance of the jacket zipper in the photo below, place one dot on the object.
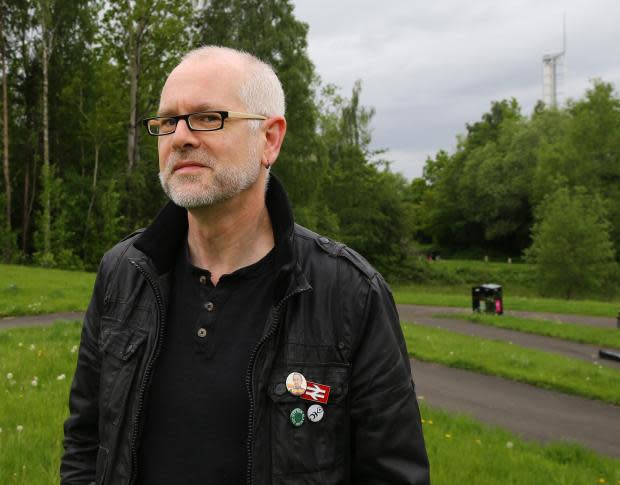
(248, 379)
(147, 373)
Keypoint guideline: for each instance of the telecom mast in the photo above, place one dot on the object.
(553, 72)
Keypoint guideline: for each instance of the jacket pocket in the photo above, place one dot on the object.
(101, 466)
(313, 446)
(121, 352)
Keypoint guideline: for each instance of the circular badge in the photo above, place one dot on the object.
(297, 417)
(315, 413)
(296, 383)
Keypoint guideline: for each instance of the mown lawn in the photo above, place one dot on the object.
(36, 366)
(464, 451)
(461, 449)
(503, 359)
(551, 328)
(460, 296)
(26, 290)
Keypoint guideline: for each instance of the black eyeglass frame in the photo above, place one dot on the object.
(185, 117)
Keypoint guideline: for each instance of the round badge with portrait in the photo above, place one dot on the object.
(296, 383)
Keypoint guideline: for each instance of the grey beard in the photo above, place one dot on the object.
(227, 180)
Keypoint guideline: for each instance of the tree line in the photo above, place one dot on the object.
(543, 186)
(79, 173)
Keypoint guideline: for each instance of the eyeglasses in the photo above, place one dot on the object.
(202, 121)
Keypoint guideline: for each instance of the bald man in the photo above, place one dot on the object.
(224, 344)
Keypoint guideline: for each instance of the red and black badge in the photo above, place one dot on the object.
(316, 392)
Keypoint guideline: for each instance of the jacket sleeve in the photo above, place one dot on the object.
(387, 441)
(81, 440)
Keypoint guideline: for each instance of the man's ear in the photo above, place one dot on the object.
(273, 130)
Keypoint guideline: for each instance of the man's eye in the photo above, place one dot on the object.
(168, 122)
(208, 118)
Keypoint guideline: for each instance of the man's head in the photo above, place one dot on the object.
(200, 168)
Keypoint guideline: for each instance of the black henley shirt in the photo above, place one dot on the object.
(196, 418)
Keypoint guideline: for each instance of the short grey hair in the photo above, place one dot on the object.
(260, 91)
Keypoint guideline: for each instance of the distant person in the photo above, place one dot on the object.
(199, 322)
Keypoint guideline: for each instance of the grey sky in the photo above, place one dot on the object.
(429, 68)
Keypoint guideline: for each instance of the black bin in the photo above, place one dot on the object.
(487, 299)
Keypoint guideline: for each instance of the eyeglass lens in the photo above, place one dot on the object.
(197, 121)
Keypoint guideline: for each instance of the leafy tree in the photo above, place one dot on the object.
(572, 249)
(269, 30)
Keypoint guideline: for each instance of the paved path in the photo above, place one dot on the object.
(39, 320)
(567, 348)
(530, 412)
(603, 322)
(526, 410)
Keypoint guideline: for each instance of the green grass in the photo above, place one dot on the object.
(26, 290)
(513, 362)
(473, 452)
(32, 455)
(551, 328)
(463, 450)
(460, 296)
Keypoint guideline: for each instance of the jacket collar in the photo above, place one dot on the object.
(162, 240)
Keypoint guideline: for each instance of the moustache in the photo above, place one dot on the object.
(196, 156)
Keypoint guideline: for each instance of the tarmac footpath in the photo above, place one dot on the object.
(528, 411)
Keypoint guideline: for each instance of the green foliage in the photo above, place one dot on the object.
(269, 30)
(482, 199)
(571, 249)
(109, 60)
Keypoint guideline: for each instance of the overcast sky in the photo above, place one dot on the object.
(430, 67)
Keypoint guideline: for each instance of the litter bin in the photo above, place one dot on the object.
(487, 299)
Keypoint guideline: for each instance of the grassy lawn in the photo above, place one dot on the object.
(460, 296)
(31, 415)
(461, 450)
(26, 290)
(513, 362)
(551, 328)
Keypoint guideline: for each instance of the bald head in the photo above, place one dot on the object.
(258, 86)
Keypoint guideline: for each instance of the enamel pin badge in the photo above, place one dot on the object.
(297, 417)
(315, 413)
(316, 392)
(296, 383)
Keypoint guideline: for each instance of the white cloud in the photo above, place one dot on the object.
(428, 69)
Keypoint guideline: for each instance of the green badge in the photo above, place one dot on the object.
(297, 417)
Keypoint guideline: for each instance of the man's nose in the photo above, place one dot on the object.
(183, 137)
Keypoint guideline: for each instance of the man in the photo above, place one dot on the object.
(199, 323)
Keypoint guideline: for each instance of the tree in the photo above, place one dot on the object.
(269, 30)
(146, 39)
(572, 249)
(5, 232)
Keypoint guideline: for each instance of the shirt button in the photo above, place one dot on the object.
(209, 306)
(202, 332)
(203, 280)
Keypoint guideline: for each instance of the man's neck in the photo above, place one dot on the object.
(230, 235)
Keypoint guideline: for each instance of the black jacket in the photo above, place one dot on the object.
(334, 320)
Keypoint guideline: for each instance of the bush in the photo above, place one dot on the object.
(572, 249)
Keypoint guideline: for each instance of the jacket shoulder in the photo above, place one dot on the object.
(112, 257)
(335, 249)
